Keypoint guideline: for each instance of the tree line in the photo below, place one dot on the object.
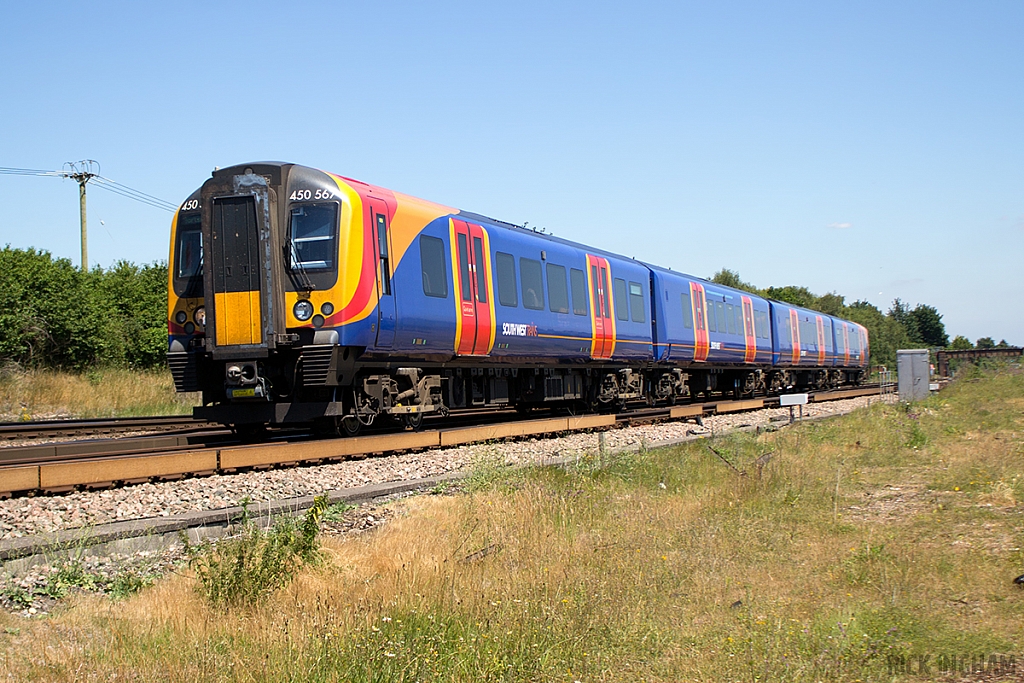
(56, 316)
(901, 327)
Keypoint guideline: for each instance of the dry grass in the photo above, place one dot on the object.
(48, 394)
(885, 533)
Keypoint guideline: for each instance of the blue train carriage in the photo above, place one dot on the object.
(804, 352)
(720, 337)
(535, 318)
(852, 355)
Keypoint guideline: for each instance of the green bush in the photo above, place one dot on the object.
(243, 570)
(52, 315)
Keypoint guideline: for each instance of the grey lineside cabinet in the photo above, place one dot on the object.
(912, 367)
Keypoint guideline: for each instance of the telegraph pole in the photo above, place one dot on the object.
(82, 172)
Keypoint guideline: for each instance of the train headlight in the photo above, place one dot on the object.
(200, 316)
(303, 310)
(327, 308)
(180, 317)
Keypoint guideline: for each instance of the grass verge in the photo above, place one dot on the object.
(876, 546)
(111, 392)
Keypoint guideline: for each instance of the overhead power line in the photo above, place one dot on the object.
(83, 172)
(101, 181)
(125, 191)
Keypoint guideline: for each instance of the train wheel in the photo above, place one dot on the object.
(349, 425)
(413, 420)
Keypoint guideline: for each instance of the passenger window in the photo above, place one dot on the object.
(730, 317)
(840, 342)
(435, 267)
(737, 315)
(505, 266)
(558, 295)
(619, 292)
(636, 302)
(723, 324)
(533, 283)
(578, 284)
(711, 317)
(687, 311)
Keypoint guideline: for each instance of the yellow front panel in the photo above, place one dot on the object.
(238, 318)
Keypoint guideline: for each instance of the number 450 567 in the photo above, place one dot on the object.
(306, 195)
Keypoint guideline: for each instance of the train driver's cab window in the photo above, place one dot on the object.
(190, 246)
(313, 236)
(532, 279)
(619, 299)
(636, 302)
(505, 269)
(435, 267)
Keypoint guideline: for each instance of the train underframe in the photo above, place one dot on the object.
(339, 390)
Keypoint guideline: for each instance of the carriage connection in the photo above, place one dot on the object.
(297, 295)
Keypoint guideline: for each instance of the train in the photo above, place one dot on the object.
(298, 296)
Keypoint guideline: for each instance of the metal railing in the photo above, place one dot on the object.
(886, 385)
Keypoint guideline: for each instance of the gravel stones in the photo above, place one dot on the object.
(27, 516)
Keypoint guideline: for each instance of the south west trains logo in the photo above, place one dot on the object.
(518, 330)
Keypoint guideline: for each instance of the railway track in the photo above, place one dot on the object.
(62, 467)
(41, 429)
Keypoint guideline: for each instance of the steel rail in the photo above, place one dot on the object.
(69, 468)
(104, 425)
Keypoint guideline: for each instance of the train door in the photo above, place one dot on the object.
(380, 233)
(794, 330)
(701, 341)
(821, 341)
(749, 337)
(236, 272)
(602, 341)
(846, 344)
(475, 326)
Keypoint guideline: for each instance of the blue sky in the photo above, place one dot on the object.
(871, 149)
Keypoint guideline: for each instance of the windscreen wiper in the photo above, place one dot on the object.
(296, 266)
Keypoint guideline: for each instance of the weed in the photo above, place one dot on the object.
(245, 569)
(129, 582)
(336, 513)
